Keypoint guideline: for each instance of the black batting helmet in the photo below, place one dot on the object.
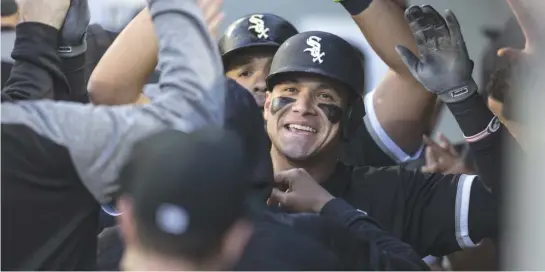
(256, 30)
(319, 53)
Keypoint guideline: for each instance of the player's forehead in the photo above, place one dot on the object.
(311, 82)
(251, 56)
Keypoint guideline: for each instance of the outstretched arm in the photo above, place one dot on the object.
(126, 67)
(99, 139)
(399, 110)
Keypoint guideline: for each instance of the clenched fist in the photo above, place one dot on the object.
(303, 193)
(49, 12)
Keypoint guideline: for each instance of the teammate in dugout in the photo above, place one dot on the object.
(391, 132)
(314, 80)
(76, 221)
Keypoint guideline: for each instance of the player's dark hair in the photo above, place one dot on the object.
(497, 72)
(246, 55)
(510, 36)
(9, 7)
(499, 83)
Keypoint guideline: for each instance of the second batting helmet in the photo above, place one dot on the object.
(259, 29)
(319, 53)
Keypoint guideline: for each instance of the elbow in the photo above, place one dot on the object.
(102, 92)
(98, 91)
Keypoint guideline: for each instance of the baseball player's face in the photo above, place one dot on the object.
(250, 71)
(303, 116)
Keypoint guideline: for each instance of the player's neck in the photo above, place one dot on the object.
(143, 260)
(319, 167)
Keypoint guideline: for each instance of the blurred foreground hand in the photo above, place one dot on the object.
(529, 14)
(213, 14)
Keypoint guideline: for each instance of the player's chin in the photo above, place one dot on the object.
(298, 153)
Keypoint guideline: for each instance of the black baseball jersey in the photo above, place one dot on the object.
(435, 214)
(369, 144)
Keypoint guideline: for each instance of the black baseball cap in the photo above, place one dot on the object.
(187, 185)
(9, 7)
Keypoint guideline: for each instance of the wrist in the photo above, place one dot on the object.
(460, 93)
(49, 23)
(354, 7)
(70, 51)
(322, 203)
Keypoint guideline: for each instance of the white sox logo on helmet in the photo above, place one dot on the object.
(258, 26)
(315, 49)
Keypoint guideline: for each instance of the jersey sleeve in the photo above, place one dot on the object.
(381, 138)
(99, 138)
(361, 149)
(446, 213)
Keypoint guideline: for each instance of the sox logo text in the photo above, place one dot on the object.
(315, 49)
(258, 26)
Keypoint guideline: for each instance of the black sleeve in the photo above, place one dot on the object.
(36, 70)
(98, 42)
(360, 149)
(486, 137)
(386, 252)
(443, 214)
(110, 249)
(74, 71)
(6, 72)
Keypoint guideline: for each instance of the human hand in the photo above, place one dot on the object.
(443, 158)
(528, 14)
(527, 64)
(444, 66)
(48, 12)
(213, 15)
(303, 193)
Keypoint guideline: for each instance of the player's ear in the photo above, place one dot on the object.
(234, 242)
(267, 105)
(125, 220)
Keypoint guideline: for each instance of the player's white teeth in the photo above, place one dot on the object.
(301, 127)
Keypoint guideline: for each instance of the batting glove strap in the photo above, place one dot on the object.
(354, 7)
(460, 93)
(70, 51)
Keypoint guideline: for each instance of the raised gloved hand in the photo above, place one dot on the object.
(72, 41)
(444, 67)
